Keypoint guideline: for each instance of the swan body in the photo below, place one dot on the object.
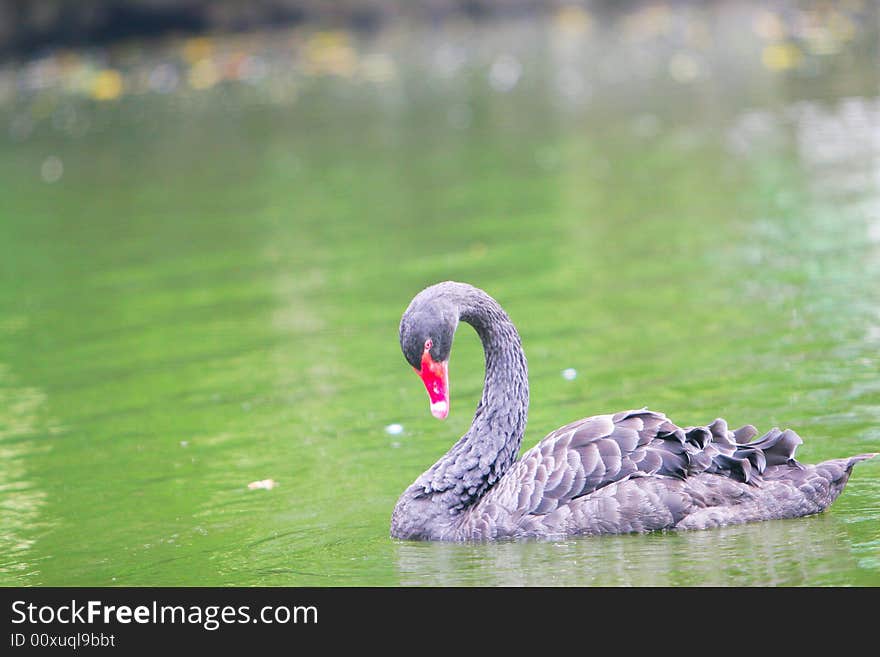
(633, 471)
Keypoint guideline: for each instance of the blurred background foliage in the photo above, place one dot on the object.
(28, 25)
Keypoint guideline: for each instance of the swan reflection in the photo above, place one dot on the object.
(775, 553)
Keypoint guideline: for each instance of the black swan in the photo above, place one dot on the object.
(633, 471)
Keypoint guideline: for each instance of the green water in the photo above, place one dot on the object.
(208, 296)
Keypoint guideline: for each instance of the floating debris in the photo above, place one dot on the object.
(108, 85)
(394, 429)
(378, 67)
(52, 169)
(782, 56)
(164, 78)
(265, 484)
(569, 374)
(505, 73)
(203, 74)
(685, 67)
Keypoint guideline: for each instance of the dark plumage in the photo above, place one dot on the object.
(633, 471)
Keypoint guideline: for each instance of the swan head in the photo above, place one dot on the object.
(426, 331)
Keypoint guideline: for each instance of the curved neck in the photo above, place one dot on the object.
(473, 465)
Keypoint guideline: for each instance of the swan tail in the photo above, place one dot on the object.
(740, 456)
(852, 460)
(718, 450)
(837, 472)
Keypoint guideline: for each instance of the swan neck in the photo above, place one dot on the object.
(435, 505)
(491, 445)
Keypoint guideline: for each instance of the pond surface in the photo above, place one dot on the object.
(201, 283)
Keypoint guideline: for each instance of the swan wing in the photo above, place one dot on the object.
(589, 454)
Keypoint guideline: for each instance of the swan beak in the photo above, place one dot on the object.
(435, 376)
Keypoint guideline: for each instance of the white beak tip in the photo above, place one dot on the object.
(440, 409)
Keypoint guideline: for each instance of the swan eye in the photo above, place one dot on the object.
(428, 344)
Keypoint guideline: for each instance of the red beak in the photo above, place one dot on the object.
(435, 376)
